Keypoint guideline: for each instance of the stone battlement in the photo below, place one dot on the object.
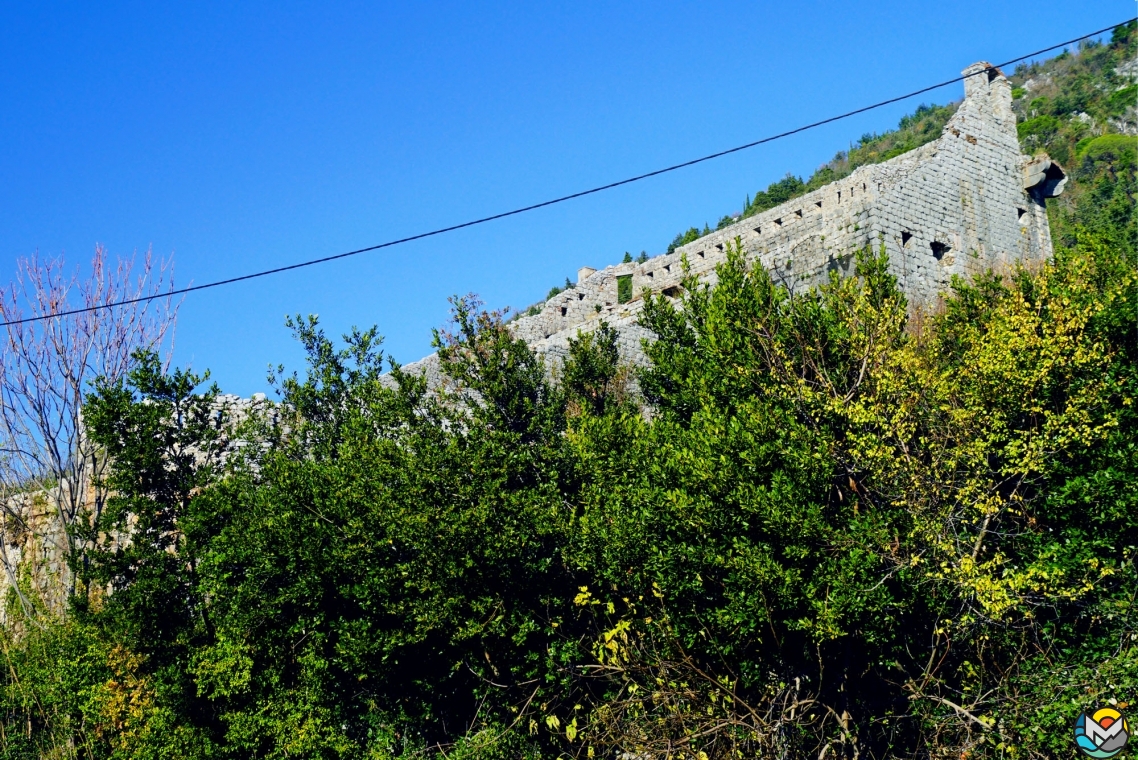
(965, 203)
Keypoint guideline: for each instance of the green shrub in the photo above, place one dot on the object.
(624, 288)
(1039, 130)
(1124, 99)
(1106, 146)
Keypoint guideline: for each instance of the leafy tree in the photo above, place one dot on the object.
(684, 238)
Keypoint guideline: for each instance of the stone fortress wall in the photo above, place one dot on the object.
(965, 203)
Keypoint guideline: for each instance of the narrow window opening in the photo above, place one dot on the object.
(652, 274)
(667, 267)
(778, 222)
(624, 288)
(672, 292)
(758, 230)
(699, 253)
(817, 204)
(906, 237)
(798, 213)
(580, 296)
(719, 246)
(1020, 213)
(863, 186)
(939, 249)
(839, 196)
(564, 310)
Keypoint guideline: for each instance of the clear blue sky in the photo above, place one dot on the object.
(241, 136)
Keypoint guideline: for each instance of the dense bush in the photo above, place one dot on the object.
(839, 527)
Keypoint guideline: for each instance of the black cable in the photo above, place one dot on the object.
(562, 199)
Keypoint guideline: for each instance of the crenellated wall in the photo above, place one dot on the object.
(965, 203)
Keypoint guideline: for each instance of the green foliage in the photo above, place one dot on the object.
(594, 382)
(1122, 100)
(1107, 147)
(828, 510)
(624, 288)
(684, 238)
(776, 194)
(1040, 130)
(559, 289)
(1076, 96)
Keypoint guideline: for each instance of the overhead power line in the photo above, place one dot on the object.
(562, 199)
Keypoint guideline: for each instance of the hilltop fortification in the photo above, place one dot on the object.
(967, 202)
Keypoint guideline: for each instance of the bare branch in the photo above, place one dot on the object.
(47, 368)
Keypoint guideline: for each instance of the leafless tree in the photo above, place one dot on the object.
(47, 468)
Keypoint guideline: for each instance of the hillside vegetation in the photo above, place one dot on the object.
(825, 527)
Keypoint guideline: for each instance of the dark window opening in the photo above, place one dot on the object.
(699, 253)
(758, 230)
(672, 292)
(906, 237)
(564, 310)
(817, 204)
(580, 296)
(624, 288)
(778, 222)
(667, 267)
(862, 185)
(939, 249)
(839, 196)
(1020, 212)
(651, 274)
(798, 213)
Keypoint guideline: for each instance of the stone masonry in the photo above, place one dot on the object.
(965, 203)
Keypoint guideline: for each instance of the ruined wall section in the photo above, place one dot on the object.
(960, 205)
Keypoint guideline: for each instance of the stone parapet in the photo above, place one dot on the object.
(963, 204)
